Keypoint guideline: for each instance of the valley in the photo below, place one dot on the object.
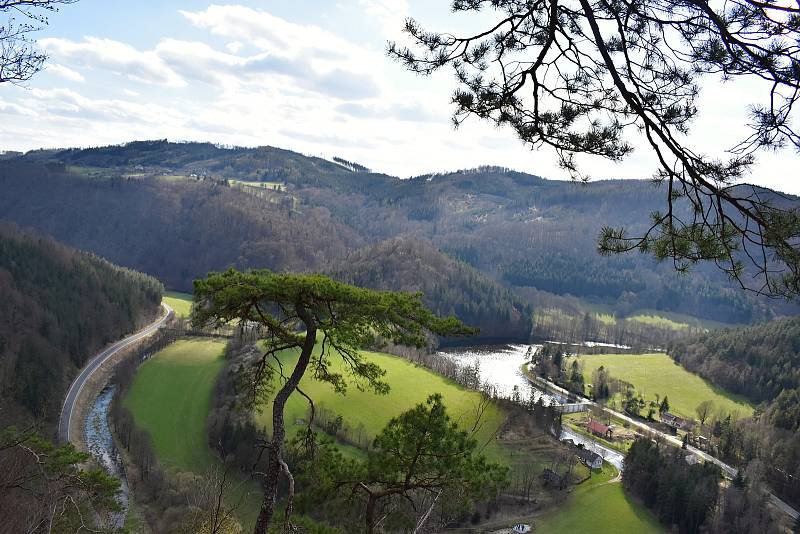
(175, 415)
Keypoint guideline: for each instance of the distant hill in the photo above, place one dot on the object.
(57, 307)
(450, 287)
(177, 210)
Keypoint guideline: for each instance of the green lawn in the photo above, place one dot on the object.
(657, 373)
(410, 385)
(171, 398)
(180, 302)
(599, 508)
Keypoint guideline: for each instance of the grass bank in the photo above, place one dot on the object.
(410, 385)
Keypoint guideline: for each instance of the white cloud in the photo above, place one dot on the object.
(65, 72)
(67, 103)
(234, 47)
(116, 57)
(390, 14)
(318, 59)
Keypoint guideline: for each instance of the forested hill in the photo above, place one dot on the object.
(758, 361)
(57, 307)
(449, 286)
(178, 210)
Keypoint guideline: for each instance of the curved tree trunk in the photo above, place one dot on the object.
(275, 447)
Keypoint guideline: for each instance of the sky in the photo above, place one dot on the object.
(305, 75)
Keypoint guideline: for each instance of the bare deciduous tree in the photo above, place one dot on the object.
(20, 58)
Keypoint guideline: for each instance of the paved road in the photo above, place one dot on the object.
(77, 385)
(727, 470)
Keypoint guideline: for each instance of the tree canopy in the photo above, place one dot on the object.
(291, 311)
(578, 75)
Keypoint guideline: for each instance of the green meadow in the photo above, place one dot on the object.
(170, 398)
(657, 373)
(180, 302)
(597, 507)
(410, 385)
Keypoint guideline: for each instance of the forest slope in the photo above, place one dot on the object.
(449, 286)
(168, 202)
(57, 307)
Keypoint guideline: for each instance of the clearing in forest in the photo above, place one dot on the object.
(180, 302)
(658, 374)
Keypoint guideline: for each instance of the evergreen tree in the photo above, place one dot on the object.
(341, 317)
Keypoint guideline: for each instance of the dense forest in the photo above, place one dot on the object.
(173, 210)
(57, 307)
(761, 363)
(449, 287)
(687, 496)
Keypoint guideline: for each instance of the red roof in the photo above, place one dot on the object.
(597, 427)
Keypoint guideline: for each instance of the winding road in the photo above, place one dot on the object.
(68, 409)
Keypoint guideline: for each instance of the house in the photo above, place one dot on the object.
(599, 429)
(590, 459)
(678, 423)
(521, 528)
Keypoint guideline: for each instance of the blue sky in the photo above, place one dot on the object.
(310, 76)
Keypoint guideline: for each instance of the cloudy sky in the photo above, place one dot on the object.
(307, 75)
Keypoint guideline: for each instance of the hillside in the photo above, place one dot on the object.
(57, 307)
(178, 210)
(175, 230)
(758, 361)
(449, 286)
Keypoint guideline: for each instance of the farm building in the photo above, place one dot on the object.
(599, 429)
(590, 459)
(676, 422)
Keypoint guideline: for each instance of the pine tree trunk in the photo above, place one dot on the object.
(369, 516)
(275, 449)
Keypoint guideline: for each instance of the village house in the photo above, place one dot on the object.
(590, 459)
(678, 423)
(599, 429)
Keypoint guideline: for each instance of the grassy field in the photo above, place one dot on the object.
(277, 186)
(171, 397)
(410, 385)
(598, 507)
(657, 373)
(658, 321)
(180, 302)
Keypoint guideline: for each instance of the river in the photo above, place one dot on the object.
(500, 366)
(100, 443)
